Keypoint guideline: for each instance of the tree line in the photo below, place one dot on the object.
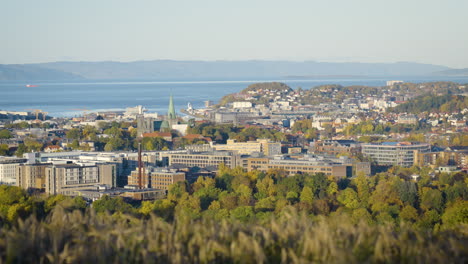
(241, 216)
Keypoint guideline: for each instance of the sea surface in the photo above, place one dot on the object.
(68, 98)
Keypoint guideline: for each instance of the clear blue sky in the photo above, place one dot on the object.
(427, 31)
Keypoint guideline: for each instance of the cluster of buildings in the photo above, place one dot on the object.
(92, 174)
(75, 173)
(335, 107)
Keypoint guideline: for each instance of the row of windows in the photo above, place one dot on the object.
(258, 162)
(80, 182)
(200, 157)
(300, 168)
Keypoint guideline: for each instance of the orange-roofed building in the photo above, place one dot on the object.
(165, 135)
(52, 148)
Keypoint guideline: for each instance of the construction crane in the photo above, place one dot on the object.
(84, 112)
(37, 112)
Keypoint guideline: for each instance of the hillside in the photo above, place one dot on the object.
(169, 69)
(257, 88)
(272, 86)
(433, 103)
(33, 73)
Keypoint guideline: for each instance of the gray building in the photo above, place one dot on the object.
(8, 167)
(394, 153)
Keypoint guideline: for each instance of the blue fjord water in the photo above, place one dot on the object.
(63, 98)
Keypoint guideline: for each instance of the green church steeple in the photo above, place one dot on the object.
(171, 114)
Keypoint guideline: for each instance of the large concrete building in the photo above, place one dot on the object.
(202, 159)
(334, 147)
(31, 176)
(125, 162)
(156, 178)
(451, 156)
(264, 146)
(304, 165)
(67, 179)
(394, 153)
(8, 170)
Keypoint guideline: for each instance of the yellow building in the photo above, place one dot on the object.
(299, 166)
(264, 146)
(156, 178)
(31, 176)
(202, 159)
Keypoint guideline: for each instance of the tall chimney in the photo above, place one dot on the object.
(139, 167)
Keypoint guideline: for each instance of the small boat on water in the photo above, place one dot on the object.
(31, 85)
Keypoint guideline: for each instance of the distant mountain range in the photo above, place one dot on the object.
(169, 69)
(453, 72)
(33, 72)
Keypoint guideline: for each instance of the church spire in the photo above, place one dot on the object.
(171, 114)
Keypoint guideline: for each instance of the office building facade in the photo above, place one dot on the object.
(394, 153)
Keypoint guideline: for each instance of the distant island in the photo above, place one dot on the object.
(172, 69)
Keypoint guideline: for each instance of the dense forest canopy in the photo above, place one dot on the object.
(249, 217)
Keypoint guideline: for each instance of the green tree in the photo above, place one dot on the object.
(154, 143)
(361, 215)
(363, 189)
(5, 134)
(409, 214)
(113, 132)
(176, 191)
(75, 144)
(244, 193)
(33, 145)
(14, 203)
(4, 150)
(307, 196)
(21, 150)
(67, 203)
(265, 187)
(408, 192)
(112, 205)
(163, 208)
(292, 197)
(428, 219)
(432, 199)
(73, 133)
(332, 189)
(385, 196)
(114, 143)
(228, 200)
(188, 207)
(266, 204)
(90, 132)
(52, 201)
(243, 213)
(205, 189)
(349, 198)
(456, 214)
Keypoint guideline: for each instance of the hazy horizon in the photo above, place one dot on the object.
(224, 60)
(366, 31)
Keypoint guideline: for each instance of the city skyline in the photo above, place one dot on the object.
(345, 31)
